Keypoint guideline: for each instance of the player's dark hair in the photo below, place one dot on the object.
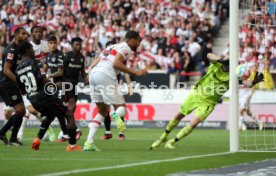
(76, 39)
(132, 35)
(34, 27)
(52, 38)
(17, 30)
(23, 47)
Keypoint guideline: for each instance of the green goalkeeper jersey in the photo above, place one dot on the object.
(213, 85)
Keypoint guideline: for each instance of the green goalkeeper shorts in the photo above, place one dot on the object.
(193, 102)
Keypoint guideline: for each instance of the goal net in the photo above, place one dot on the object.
(257, 35)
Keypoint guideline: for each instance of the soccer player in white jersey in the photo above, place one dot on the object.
(40, 46)
(245, 97)
(103, 82)
(41, 51)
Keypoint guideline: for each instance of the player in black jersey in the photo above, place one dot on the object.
(35, 84)
(54, 66)
(54, 61)
(73, 67)
(8, 88)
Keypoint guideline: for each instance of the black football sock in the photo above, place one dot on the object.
(63, 125)
(7, 126)
(44, 126)
(72, 135)
(107, 123)
(17, 121)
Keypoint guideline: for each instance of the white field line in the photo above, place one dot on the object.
(76, 171)
(58, 159)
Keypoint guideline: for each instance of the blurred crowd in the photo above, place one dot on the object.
(177, 35)
(258, 38)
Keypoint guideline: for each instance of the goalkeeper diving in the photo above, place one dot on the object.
(204, 97)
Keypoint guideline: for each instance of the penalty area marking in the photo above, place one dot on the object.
(76, 171)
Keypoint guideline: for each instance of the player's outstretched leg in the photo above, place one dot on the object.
(116, 116)
(41, 133)
(171, 125)
(258, 122)
(170, 144)
(49, 135)
(93, 128)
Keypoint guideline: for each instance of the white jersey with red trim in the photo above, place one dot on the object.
(107, 58)
(41, 50)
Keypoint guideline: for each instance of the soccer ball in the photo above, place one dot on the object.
(243, 72)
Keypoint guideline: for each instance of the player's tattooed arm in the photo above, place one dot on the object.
(7, 71)
(118, 64)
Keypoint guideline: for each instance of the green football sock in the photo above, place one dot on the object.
(172, 124)
(184, 132)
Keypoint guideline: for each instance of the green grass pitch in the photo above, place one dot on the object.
(52, 158)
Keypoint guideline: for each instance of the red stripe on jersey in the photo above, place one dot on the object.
(41, 56)
(113, 52)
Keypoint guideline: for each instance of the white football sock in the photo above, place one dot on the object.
(241, 121)
(93, 127)
(108, 132)
(24, 123)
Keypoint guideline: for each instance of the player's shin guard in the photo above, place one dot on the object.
(72, 134)
(18, 117)
(172, 124)
(183, 132)
(44, 127)
(94, 126)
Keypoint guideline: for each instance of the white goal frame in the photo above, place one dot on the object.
(234, 56)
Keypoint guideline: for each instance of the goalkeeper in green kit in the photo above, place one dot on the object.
(207, 91)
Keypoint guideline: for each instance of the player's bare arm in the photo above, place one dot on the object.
(58, 73)
(45, 67)
(118, 64)
(128, 80)
(224, 60)
(93, 64)
(7, 71)
(213, 57)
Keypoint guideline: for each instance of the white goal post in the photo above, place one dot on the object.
(234, 56)
(260, 135)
